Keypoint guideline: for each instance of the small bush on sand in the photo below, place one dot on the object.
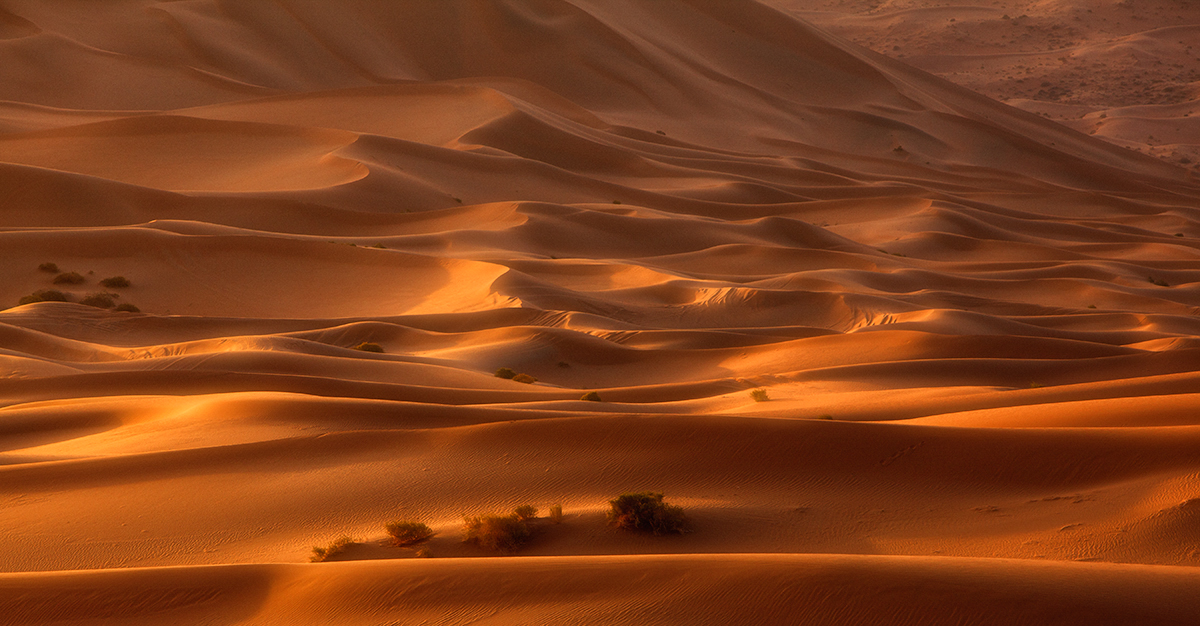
(116, 282)
(646, 512)
(69, 278)
(340, 545)
(367, 346)
(591, 396)
(127, 308)
(499, 533)
(51, 268)
(556, 514)
(526, 512)
(100, 300)
(524, 378)
(45, 295)
(423, 553)
(505, 373)
(759, 395)
(405, 533)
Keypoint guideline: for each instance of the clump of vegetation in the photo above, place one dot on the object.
(406, 533)
(339, 545)
(367, 346)
(115, 282)
(556, 514)
(100, 300)
(45, 295)
(50, 268)
(591, 396)
(127, 308)
(759, 395)
(423, 553)
(1157, 281)
(505, 373)
(646, 512)
(69, 278)
(499, 533)
(524, 378)
(526, 512)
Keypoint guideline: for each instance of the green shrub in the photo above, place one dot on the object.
(116, 282)
(405, 533)
(524, 378)
(100, 300)
(556, 514)
(591, 396)
(367, 346)
(340, 545)
(52, 268)
(69, 278)
(499, 533)
(646, 512)
(128, 308)
(759, 395)
(505, 373)
(45, 295)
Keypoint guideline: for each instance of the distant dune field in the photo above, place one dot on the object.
(974, 331)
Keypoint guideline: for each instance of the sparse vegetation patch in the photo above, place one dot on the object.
(406, 533)
(45, 295)
(646, 512)
(115, 282)
(498, 533)
(367, 346)
(100, 300)
(759, 395)
(505, 373)
(51, 268)
(591, 396)
(524, 378)
(339, 545)
(69, 278)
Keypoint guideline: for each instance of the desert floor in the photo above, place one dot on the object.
(976, 328)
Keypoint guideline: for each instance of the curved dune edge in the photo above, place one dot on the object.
(812, 589)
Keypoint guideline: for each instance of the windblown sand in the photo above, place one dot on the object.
(977, 329)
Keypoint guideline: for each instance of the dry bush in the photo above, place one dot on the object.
(367, 346)
(498, 533)
(128, 308)
(406, 533)
(100, 300)
(45, 295)
(759, 395)
(526, 512)
(524, 378)
(69, 278)
(646, 512)
(115, 282)
(339, 545)
(556, 514)
(591, 396)
(505, 373)
(52, 268)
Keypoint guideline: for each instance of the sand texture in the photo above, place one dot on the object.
(976, 328)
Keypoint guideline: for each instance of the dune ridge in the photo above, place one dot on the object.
(975, 327)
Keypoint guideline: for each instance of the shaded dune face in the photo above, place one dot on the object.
(976, 329)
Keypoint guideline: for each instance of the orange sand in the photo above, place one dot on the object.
(977, 327)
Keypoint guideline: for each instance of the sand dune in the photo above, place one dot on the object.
(976, 327)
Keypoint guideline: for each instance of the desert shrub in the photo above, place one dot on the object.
(115, 282)
(556, 514)
(127, 308)
(100, 300)
(499, 533)
(51, 268)
(423, 553)
(45, 295)
(591, 396)
(69, 278)
(646, 512)
(759, 395)
(505, 373)
(367, 346)
(339, 545)
(526, 512)
(524, 378)
(405, 533)
(1157, 281)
